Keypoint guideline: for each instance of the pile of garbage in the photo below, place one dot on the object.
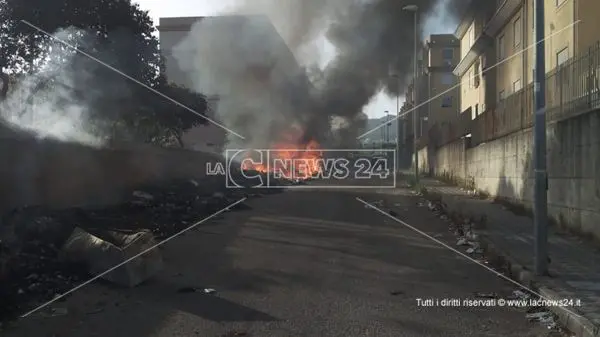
(464, 228)
(45, 252)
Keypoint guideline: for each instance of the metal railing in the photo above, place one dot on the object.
(571, 89)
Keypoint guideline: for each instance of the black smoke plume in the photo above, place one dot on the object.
(263, 97)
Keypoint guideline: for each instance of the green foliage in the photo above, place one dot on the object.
(119, 34)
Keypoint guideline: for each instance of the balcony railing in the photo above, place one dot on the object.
(571, 89)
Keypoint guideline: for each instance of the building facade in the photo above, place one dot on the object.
(441, 55)
(497, 63)
(477, 57)
(437, 99)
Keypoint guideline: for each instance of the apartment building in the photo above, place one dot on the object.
(498, 48)
(442, 53)
(477, 56)
(437, 98)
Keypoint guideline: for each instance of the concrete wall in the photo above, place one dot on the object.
(56, 174)
(504, 168)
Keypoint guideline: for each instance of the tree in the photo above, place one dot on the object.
(4, 89)
(119, 34)
(172, 129)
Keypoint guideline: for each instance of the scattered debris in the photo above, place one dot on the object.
(95, 311)
(143, 195)
(486, 295)
(540, 316)
(33, 267)
(187, 290)
(54, 312)
(114, 249)
(235, 334)
(463, 228)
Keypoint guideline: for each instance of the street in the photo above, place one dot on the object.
(301, 263)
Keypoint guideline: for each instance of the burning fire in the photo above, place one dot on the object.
(301, 162)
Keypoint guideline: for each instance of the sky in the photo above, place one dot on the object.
(436, 24)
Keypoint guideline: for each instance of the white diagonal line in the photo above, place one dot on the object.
(468, 79)
(132, 79)
(460, 253)
(133, 257)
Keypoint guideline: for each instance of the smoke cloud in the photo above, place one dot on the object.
(45, 103)
(265, 91)
(69, 97)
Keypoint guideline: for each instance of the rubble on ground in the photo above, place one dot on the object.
(113, 256)
(33, 267)
(467, 238)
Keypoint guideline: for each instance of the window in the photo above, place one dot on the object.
(501, 96)
(447, 78)
(447, 55)
(471, 35)
(501, 49)
(517, 32)
(447, 102)
(562, 56)
(471, 78)
(517, 85)
(476, 74)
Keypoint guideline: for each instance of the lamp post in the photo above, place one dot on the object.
(415, 10)
(387, 127)
(398, 120)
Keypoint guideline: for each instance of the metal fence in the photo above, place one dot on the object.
(571, 89)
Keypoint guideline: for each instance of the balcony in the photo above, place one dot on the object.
(477, 49)
(503, 14)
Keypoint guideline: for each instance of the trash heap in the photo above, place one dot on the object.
(44, 252)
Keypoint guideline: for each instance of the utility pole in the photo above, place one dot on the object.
(416, 110)
(539, 140)
(398, 123)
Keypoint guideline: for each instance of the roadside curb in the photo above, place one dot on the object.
(568, 318)
(575, 323)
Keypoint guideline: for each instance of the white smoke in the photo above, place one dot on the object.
(245, 62)
(43, 103)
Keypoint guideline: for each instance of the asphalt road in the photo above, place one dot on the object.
(301, 263)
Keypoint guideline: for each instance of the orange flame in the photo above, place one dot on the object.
(292, 161)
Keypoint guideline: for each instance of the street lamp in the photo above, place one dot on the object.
(387, 127)
(415, 10)
(398, 121)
